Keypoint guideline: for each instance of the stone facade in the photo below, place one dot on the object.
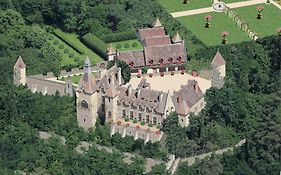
(137, 112)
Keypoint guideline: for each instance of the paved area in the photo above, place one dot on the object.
(210, 9)
(172, 83)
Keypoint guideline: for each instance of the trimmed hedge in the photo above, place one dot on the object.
(62, 36)
(121, 36)
(96, 44)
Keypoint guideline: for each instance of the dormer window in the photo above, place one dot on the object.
(170, 59)
(150, 61)
(131, 64)
(84, 104)
(179, 59)
(161, 61)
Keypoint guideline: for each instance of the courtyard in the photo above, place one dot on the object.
(171, 83)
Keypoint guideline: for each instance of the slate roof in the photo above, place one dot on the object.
(187, 97)
(218, 60)
(157, 41)
(87, 83)
(20, 63)
(135, 57)
(45, 86)
(143, 98)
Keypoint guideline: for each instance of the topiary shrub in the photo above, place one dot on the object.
(126, 45)
(135, 44)
(150, 125)
(135, 121)
(66, 51)
(51, 37)
(61, 46)
(71, 55)
(142, 123)
(56, 42)
(76, 59)
(126, 119)
(118, 46)
(158, 126)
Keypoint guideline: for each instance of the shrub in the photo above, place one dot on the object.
(121, 36)
(62, 78)
(95, 44)
(118, 46)
(126, 45)
(135, 44)
(76, 59)
(61, 46)
(71, 55)
(126, 119)
(142, 123)
(61, 35)
(51, 37)
(66, 51)
(135, 121)
(56, 42)
(158, 126)
(150, 125)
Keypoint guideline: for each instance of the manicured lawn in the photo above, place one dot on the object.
(212, 36)
(127, 45)
(75, 79)
(269, 23)
(177, 5)
(73, 57)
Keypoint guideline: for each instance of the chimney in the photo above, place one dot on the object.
(119, 76)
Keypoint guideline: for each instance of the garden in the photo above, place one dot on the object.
(214, 28)
(180, 5)
(126, 45)
(268, 24)
(72, 50)
(75, 78)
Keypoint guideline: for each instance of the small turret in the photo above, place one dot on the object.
(111, 53)
(177, 38)
(218, 70)
(157, 23)
(19, 72)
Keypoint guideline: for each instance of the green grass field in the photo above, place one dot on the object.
(75, 58)
(127, 45)
(268, 24)
(75, 79)
(177, 5)
(212, 36)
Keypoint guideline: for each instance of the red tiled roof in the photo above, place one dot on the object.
(157, 40)
(168, 53)
(218, 60)
(20, 63)
(133, 58)
(151, 32)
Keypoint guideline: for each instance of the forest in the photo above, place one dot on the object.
(249, 105)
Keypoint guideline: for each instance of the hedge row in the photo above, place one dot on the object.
(96, 44)
(61, 36)
(121, 36)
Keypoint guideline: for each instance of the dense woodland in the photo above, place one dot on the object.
(249, 105)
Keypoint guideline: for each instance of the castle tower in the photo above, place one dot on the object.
(69, 88)
(111, 103)
(157, 23)
(218, 70)
(111, 53)
(19, 72)
(88, 99)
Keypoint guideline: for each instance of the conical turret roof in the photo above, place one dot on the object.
(177, 38)
(111, 50)
(218, 60)
(20, 63)
(157, 23)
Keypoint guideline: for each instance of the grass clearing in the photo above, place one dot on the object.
(73, 57)
(127, 45)
(212, 36)
(75, 78)
(268, 24)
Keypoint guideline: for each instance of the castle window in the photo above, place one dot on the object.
(123, 113)
(131, 115)
(84, 104)
(147, 118)
(139, 116)
(146, 108)
(84, 120)
(154, 121)
(109, 114)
